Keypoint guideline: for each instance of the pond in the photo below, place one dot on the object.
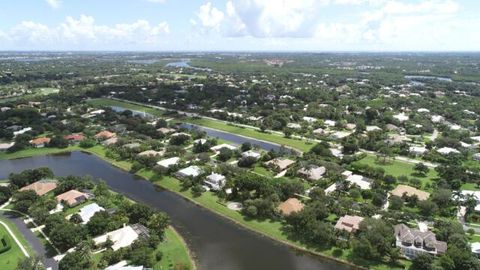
(216, 242)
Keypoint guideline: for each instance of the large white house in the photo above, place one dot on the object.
(167, 163)
(192, 171)
(216, 181)
(122, 237)
(87, 212)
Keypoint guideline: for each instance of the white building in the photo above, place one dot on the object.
(356, 179)
(167, 163)
(122, 237)
(447, 150)
(88, 211)
(216, 181)
(217, 148)
(252, 154)
(192, 171)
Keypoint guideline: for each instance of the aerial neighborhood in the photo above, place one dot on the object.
(361, 165)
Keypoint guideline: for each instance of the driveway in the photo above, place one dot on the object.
(32, 239)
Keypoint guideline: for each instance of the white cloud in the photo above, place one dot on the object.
(209, 16)
(54, 3)
(84, 33)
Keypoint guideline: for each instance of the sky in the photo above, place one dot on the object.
(240, 25)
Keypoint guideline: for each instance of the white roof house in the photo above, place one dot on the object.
(402, 117)
(330, 123)
(437, 118)
(309, 119)
(216, 181)
(423, 110)
(447, 150)
(167, 163)
(224, 145)
(417, 150)
(356, 179)
(294, 125)
(122, 237)
(251, 153)
(87, 212)
(5, 146)
(372, 128)
(16, 133)
(192, 171)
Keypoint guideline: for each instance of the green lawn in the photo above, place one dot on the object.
(398, 168)
(174, 252)
(469, 186)
(99, 102)
(36, 152)
(10, 258)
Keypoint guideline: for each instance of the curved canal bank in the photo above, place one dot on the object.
(216, 242)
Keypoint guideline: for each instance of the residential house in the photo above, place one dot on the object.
(290, 206)
(359, 180)
(447, 151)
(41, 187)
(110, 141)
(72, 197)
(123, 237)
(216, 181)
(475, 246)
(123, 265)
(417, 150)
(280, 163)
(88, 211)
(192, 171)
(217, 148)
(104, 135)
(404, 190)
(40, 142)
(348, 223)
(74, 138)
(151, 153)
(312, 173)
(476, 157)
(167, 163)
(5, 146)
(413, 242)
(165, 130)
(251, 154)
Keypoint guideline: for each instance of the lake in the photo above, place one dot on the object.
(216, 242)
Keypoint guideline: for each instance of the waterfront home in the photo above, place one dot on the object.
(87, 212)
(110, 141)
(41, 187)
(74, 138)
(167, 163)
(413, 242)
(217, 148)
(192, 171)
(348, 223)
(372, 128)
(476, 156)
(40, 142)
(122, 237)
(104, 135)
(408, 191)
(290, 206)
(280, 163)
(151, 153)
(312, 173)
(72, 197)
(132, 145)
(5, 146)
(215, 181)
(251, 154)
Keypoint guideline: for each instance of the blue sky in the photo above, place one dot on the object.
(246, 25)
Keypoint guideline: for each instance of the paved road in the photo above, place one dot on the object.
(32, 239)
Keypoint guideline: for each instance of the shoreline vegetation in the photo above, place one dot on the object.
(267, 228)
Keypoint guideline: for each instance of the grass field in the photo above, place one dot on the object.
(174, 252)
(36, 92)
(10, 258)
(398, 168)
